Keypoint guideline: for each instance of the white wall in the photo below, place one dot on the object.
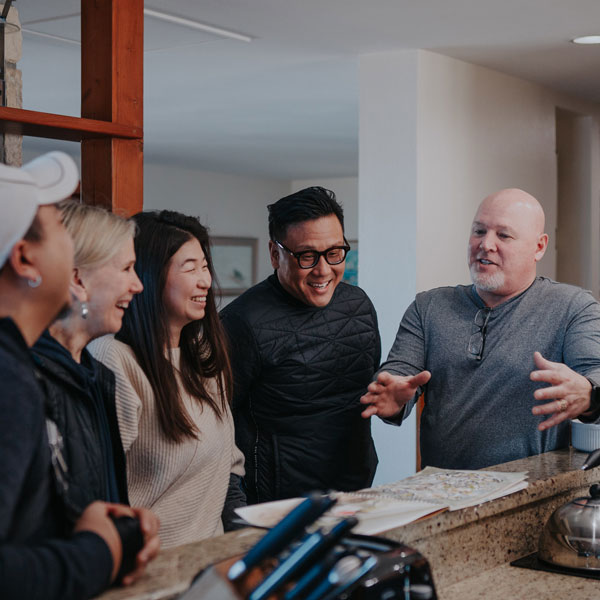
(229, 205)
(480, 131)
(388, 219)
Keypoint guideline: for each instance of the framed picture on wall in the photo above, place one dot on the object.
(351, 272)
(235, 263)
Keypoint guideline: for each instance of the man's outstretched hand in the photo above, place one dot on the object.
(567, 396)
(387, 395)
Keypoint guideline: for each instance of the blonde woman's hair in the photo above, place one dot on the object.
(97, 233)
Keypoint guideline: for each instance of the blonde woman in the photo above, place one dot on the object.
(80, 390)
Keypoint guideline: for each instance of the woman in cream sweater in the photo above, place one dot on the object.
(173, 383)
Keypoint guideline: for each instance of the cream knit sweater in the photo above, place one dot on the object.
(184, 483)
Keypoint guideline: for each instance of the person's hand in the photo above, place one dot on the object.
(387, 395)
(567, 396)
(96, 518)
(149, 524)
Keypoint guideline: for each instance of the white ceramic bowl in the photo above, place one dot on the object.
(585, 436)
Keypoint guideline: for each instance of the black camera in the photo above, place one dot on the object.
(132, 541)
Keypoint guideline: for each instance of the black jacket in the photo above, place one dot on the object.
(81, 401)
(299, 372)
(38, 556)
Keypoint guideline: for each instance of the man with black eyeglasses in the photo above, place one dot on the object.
(304, 346)
(495, 358)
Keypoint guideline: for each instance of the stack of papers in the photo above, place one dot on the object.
(454, 489)
(391, 505)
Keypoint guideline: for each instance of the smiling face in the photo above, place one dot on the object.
(506, 242)
(186, 288)
(110, 288)
(313, 286)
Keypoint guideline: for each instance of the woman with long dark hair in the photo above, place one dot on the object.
(174, 383)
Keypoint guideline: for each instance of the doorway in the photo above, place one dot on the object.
(578, 212)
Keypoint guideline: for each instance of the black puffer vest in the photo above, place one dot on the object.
(69, 405)
(299, 372)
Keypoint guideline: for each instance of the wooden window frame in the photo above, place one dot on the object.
(110, 128)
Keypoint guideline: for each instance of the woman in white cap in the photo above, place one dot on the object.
(41, 555)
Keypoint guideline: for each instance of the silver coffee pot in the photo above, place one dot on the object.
(571, 537)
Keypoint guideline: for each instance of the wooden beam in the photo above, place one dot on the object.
(104, 158)
(112, 46)
(420, 407)
(61, 127)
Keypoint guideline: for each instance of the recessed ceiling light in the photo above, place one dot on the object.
(587, 39)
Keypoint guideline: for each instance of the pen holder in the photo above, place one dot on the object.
(401, 572)
(394, 571)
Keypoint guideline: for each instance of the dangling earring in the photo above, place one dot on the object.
(35, 282)
(85, 311)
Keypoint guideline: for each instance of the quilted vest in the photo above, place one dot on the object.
(298, 419)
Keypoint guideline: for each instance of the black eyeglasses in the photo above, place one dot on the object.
(477, 339)
(307, 259)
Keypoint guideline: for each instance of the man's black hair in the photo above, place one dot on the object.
(304, 205)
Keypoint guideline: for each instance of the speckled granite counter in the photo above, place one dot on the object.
(509, 583)
(468, 549)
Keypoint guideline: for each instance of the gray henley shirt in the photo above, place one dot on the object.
(478, 412)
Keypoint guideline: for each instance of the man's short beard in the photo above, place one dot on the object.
(486, 282)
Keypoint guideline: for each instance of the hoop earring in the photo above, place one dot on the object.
(85, 311)
(33, 283)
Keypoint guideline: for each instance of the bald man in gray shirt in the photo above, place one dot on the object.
(497, 357)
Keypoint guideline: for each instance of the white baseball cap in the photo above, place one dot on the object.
(47, 179)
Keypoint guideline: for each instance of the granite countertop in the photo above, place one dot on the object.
(468, 550)
(509, 583)
(171, 573)
(549, 474)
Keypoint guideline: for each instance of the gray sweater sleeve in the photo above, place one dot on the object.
(582, 344)
(581, 348)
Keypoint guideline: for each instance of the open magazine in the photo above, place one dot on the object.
(391, 505)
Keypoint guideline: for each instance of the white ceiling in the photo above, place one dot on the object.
(286, 104)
